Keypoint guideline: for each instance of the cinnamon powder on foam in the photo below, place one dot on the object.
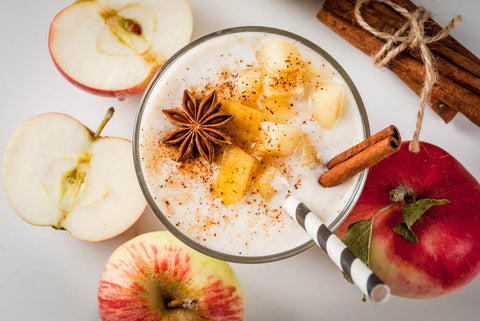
(198, 173)
(189, 204)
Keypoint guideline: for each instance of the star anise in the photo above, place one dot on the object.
(200, 126)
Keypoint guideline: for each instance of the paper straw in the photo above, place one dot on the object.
(339, 253)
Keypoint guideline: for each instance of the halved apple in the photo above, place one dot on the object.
(57, 172)
(114, 47)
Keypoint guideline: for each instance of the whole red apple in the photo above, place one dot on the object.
(156, 277)
(447, 255)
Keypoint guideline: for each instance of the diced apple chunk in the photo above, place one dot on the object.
(236, 172)
(286, 82)
(315, 77)
(277, 55)
(326, 102)
(245, 126)
(309, 154)
(263, 181)
(277, 139)
(249, 84)
(277, 109)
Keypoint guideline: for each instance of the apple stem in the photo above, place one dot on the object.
(402, 194)
(105, 120)
(191, 304)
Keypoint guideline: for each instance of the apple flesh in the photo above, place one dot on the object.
(145, 275)
(113, 47)
(447, 256)
(56, 172)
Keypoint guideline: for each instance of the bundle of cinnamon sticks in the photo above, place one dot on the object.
(458, 81)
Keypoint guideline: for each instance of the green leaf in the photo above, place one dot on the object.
(358, 237)
(413, 212)
(406, 232)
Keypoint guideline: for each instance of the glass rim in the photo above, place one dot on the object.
(143, 184)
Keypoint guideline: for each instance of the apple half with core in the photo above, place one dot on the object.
(58, 173)
(114, 47)
(422, 238)
(156, 277)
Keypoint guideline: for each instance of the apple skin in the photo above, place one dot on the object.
(447, 256)
(145, 272)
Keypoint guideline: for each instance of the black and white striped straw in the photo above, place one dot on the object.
(339, 253)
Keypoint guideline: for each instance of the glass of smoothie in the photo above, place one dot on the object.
(294, 109)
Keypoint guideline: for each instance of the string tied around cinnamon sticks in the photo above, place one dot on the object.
(409, 35)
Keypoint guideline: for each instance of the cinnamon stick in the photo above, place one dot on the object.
(390, 131)
(361, 156)
(384, 18)
(448, 47)
(446, 92)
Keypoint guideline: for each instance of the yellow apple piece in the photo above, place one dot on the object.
(277, 55)
(309, 154)
(277, 139)
(263, 181)
(326, 102)
(277, 109)
(245, 126)
(285, 82)
(316, 77)
(249, 84)
(236, 172)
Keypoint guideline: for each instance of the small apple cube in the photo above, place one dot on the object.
(245, 126)
(263, 181)
(326, 102)
(309, 154)
(277, 55)
(285, 82)
(277, 109)
(277, 139)
(249, 84)
(236, 172)
(316, 77)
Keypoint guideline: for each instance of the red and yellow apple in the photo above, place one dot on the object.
(447, 255)
(114, 47)
(156, 277)
(56, 172)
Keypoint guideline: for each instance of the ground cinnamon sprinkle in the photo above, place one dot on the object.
(251, 226)
(195, 172)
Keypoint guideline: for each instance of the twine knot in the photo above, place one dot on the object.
(410, 35)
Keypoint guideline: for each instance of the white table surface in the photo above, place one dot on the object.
(49, 275)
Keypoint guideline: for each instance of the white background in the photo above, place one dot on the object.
(48, 275)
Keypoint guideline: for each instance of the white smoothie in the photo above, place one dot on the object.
(183, 191)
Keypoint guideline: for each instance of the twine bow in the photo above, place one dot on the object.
(410, 35)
